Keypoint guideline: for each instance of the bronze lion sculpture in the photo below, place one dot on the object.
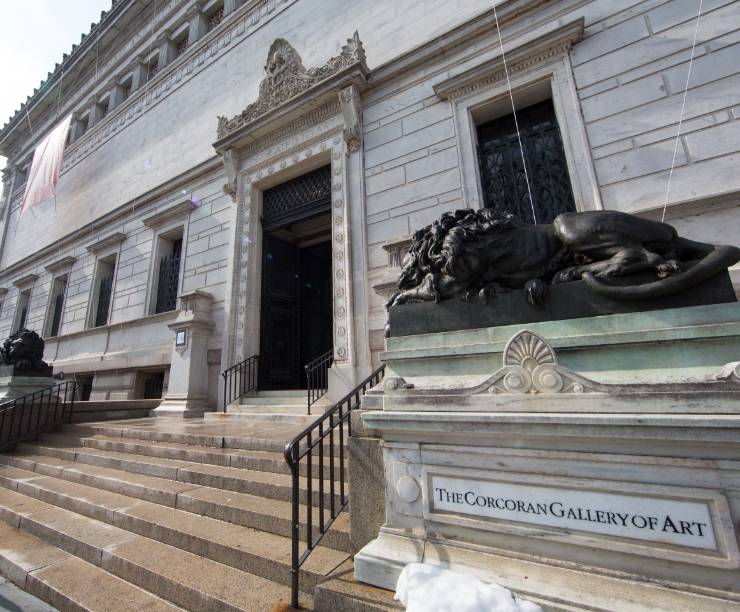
(477, 252)
(25, 350)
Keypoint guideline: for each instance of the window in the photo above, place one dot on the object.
(103, 108)
(504, 183)
(181, 44)
(103, 291)
(21, 310)
(152, 67)
(151, 385)
(56, 306)
(215, 16)
(82, 125)
(126, 88)
(167, 276)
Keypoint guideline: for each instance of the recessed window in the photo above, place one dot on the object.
(505, 185)
(104, 107)
(126, 88)
(215, 16)
(56, 306)
(151, 385)
(152, 67)
(167, 276)
(181, 44)
(21, 310)
(102, 291)
(82, 125)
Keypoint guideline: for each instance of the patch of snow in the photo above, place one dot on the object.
(426, 588)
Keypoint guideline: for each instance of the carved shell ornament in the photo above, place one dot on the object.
(531, 366)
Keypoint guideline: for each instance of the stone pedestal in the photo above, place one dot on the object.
(15, 384)
(187, 392)
(573, 493)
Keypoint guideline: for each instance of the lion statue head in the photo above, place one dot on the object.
(25, 350)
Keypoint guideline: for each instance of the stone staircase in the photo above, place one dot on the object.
(278, 405)
(156, 514)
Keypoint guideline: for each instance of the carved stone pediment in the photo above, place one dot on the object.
(286, 77)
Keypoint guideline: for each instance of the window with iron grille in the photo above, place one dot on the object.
(21, 313)
(297, 199)
(169, 276)
(56, 306)
(104, 294)
(153, 68)
(215, 18)
(181, 46)
(502, 172)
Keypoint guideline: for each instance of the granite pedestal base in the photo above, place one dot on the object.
(572, 493)
(14, 385)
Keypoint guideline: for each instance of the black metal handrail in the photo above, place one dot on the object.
(240, 379)
(303, 446)
(26, 416)
(317, 377)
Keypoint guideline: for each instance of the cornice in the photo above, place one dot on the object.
(61, 264)
(106, 242)
(177, 211)
(552, 44)
(479, 25)
(26, 280)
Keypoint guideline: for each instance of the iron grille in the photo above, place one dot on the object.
(502, 172)
(216, 18)
(181, 46)
(169, 275)
(297, 199)
(104, 294)
(56, 318)
(24, 314)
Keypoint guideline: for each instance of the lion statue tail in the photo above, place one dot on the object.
(717, 259)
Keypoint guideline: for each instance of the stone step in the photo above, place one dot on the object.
(262, 461)
(341, 592)
(281, 393)
(283, 400)
(240, 509)
(131, 475)
(184, 578)
(233, 434)
(261, 554)
(66, 582)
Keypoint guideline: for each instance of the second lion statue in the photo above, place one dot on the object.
(469, 253)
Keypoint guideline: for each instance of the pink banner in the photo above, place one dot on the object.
(47, 161)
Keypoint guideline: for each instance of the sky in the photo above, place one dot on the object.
(33, 36)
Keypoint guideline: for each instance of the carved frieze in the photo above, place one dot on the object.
(286, 77)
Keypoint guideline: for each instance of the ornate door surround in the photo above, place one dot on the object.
(303, 119)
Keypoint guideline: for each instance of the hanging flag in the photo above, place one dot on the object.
(47, 161)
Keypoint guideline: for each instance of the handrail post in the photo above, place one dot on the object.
(295, 530)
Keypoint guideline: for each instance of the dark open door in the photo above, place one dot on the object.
(316, 302)
(280, 337)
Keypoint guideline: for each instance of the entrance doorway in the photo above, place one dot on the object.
(296, 311)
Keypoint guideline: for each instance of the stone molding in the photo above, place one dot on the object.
(60, 264)
(548, 46)
(105, 243)
(286, 78)
(25, 280)
(175, 212)
(530, 367)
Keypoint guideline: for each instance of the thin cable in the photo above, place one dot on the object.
(683, 108)
(513, 110)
